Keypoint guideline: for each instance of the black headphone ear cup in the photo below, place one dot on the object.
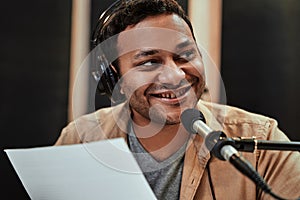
(107, 85)
(107, 81)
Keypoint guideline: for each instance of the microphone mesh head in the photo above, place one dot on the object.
(188, 118)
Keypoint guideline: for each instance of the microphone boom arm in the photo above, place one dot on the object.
(251, 144)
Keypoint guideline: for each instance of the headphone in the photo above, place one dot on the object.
(109, 76)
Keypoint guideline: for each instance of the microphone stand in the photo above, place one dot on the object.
(216, 140)
(225, 148)
(251, 144)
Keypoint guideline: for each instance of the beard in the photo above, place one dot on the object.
(158, 113)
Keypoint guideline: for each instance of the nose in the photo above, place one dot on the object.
(171, 74)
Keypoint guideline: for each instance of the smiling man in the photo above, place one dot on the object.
(160, 73)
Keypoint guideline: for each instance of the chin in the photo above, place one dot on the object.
(173, 118)
(172, 122)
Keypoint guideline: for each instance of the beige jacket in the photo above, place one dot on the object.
(281, 169)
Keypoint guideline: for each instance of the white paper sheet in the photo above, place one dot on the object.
(98, 170)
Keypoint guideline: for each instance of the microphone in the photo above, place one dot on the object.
(194, 122)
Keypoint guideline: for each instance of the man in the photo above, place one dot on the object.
(161, 74)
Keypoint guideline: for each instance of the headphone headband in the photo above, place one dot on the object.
(104, 17)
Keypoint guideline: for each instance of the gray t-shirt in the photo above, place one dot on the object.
(164, 177)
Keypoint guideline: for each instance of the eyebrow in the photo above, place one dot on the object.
(150, 52)
(144, 53)
(184, 44)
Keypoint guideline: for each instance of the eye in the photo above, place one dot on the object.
(149, 65)
(186, 56)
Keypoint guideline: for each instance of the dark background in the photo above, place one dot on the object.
(34, 61)
(261, 59)
(260, 69)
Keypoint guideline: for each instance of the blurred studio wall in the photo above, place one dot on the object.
(259, 64)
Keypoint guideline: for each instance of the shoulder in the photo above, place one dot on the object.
(239, 122)
(98, 125)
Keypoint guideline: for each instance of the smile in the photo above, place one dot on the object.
(172, 94)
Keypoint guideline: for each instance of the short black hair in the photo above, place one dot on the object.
(131, 12)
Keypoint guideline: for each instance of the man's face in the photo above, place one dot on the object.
(163, 72)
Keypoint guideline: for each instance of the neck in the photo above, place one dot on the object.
(160, 140)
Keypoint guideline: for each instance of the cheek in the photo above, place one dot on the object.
(198, 68)
(134, 80)
(134, 84)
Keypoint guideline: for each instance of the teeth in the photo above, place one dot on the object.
(167, 95)
(172, 95)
